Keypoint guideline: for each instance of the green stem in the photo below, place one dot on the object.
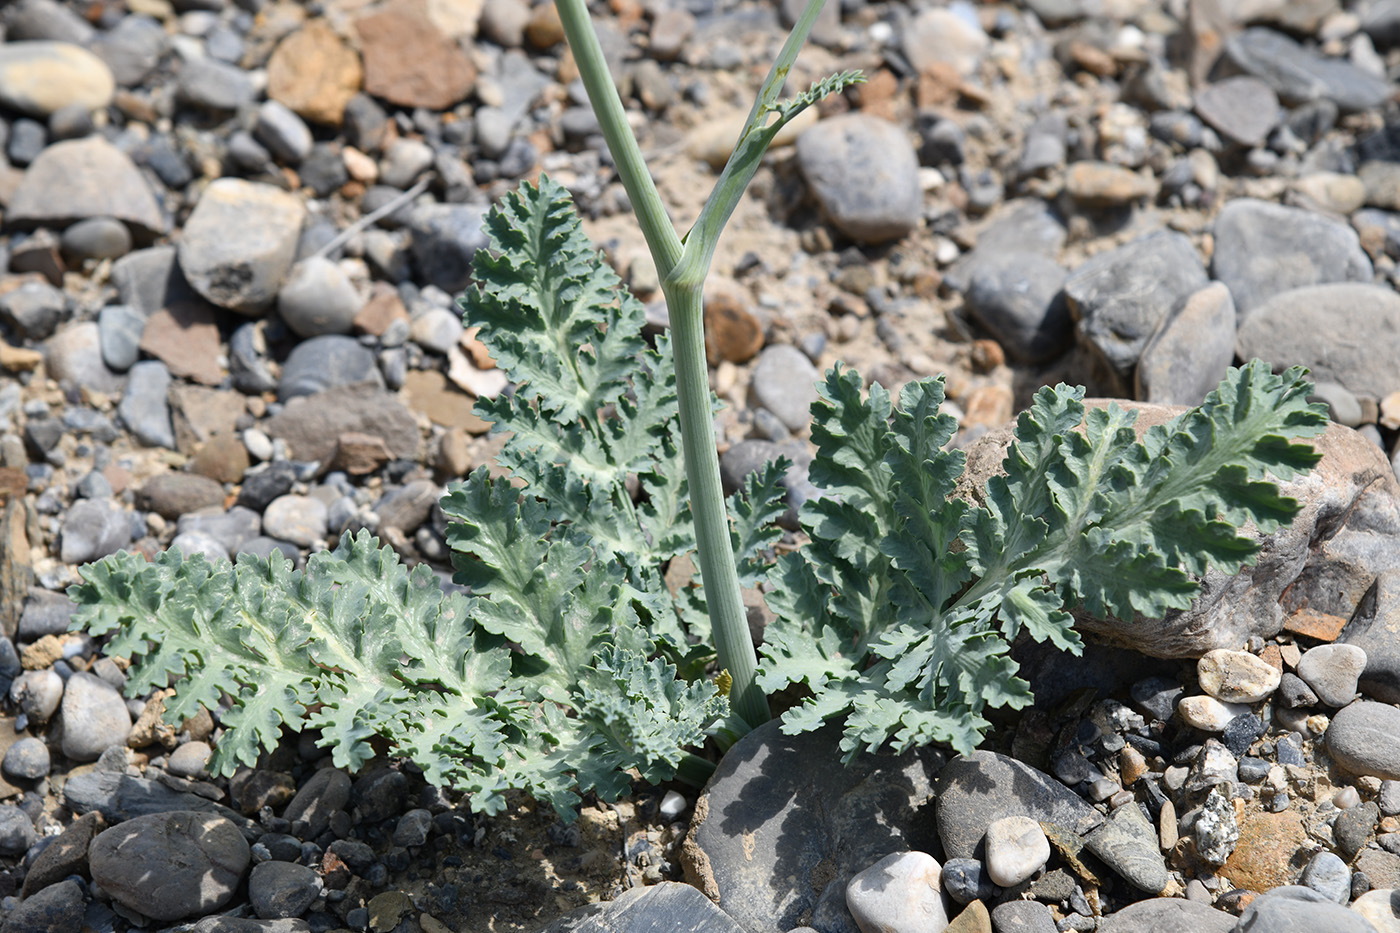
(694, 770)
(715, 553)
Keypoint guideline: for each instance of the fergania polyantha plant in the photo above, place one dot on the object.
(557, 675)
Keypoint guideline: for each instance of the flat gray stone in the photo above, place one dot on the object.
(1168, 915)
(977, 790)
(781, 807)
(312, 424)
(664, 906)
(1188, 356)
(785, 383)
(80, 178)
(1025, 226)
(92, 529)
(145, 405)
(1300, 75)
(120, 797)
(1364, 738)
(169, 866)
(1347, 333)
(1263, 249)
(1016, 296)
(1296, 909)
(1127, 843)
(1375, 629)
(1121, 297)
(864, 173)
(327, 362)
(1243, 109)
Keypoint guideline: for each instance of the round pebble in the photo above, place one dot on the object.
(1364, 738)
(97, 238)
(897, 889)
(1332, 672)
(298, 519)
(1236, 676)
(318, 298)
(1016, 849)
(28, 758)
(1207, 713)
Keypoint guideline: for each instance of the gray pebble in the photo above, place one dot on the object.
(318, 298)
(97, 238)
(863, 172)
(1299, 74)
(35, 309)
(1343, 406)
(279, 889)
(1353, 828)
(119, 330)
(327, 791)
(784, 382)
(436, 329)
(445, 239)
(284, 133)
(230, 529)
(1016, 296)
(191, 543)
(326, 362)
(189, 760)
(145, 405)
(28, 759)
(92, 529)
(16, 831)
(1243, 109)
(1332, 672)
(27, 139)
(37, 693)
(1187, 357)
(214, 85)
(45, 613)
(1329, 876)
(298, 519)
(95, 717)
(404, 160)
(1294, 693)
(239, 242)
(1023, 917)
(412, 828)
(323, 170)
(132, 48)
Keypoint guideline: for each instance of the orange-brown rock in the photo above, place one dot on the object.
(185, 337)
(314, 73)
(358, 453)
(732, 332)
(409, 62)
(1272, 850)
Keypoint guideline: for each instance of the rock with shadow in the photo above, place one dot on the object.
(783, 825)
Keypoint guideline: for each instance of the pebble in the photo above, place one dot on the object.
(1299, 75)
(1364, 738)
(279, 889)
(95, 717)
(58, 908)
(97, 238)
(1016, 296)
(1120, 297)
(92, 529)
(239, 242)
(314, 73)
(284, 133)
(900, 893)
(318, 298)
(1016, 850)
(1375, 628)
(327, 792)
(1264, 249)
(1311, 326)
(214, 85)
(1189, 354)
(1105, 185)
(298, 519)
(1023, 917)
(445, 239)
(436, 329)
(1236, 676)
(1242, 109)
(81, 178)
(404, 160)
(1127, 843)
(169, 866)
(27, 759)
(171, 495)
(1332, 672)
(145, 405)
(16, 831)
(863, 172)
(409, 62)
(326, 362)
(191, 543)
(1381, 908)
(35, 309)
(784, 382)
(1168, 915)
(38, 694)
(1329, 876)
(1296, 909)
(40, 77)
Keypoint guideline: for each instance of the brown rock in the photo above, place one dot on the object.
(223, 458)
(314, 73)
(453, 456)
(428, 392)
(171, 495)
(18, 359)
(1272, 850)
(990, 406)
(973, 919)
(66, 855)
(200, 413)
(1383, 868)
(185, 337)
(1313, 624)
(312, 424)
(383, 308)
(731, 331)
(1103, 184)
(544, 30)
(150, 727)
(13, 483)
(409, 62)
(358, 453)
(42, 653)
(478, 351)
(16, 574)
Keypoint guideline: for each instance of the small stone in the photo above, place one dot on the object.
(41, 77)
(1016, 850)
(132, 49)
(900, 893)
(171, 495)
(35, 309)
(1299, 75)
(1169, 915)
(732, 332)
(16, 831)
(223, 458)
(1329, 876)
(1216, 830)
(27, 759)
(97, 238)
(1214, 765)
(1189, 354)
(214, 85)
(445, 240)
(318, 298)
(409, 62)
(1023, 917)
(1353, 828)
(326, 362)
(282, 132)
(314, 73)
(863, 172)
(239, 242)
(37, 693)
(1236, 676)
(92, 529)
(1017, 297)
(1242, 109)
(784, 382)
(185, 337)
(168, 866)
(298, 519)
(1364, 738)
(943, 37)
(404, 160)
(145, 405)
(326, 792)
(1103, 184)
(436, 329)
(81, 178)
(280, 889)
(1381, 908)
(1332, 672)
(95, 717)
(189, 760)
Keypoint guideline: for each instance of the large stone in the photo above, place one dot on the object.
(326, 362)
(777, 810)
(1299, 75)
(1347, 333)
(1128, 843)
(1121, 297)
(1375, 628)
(80, 178)
(1188, 356)
(664, 906)
(408, 61)
(1262, 249)
(168, 866)
(1016, 296)
(95, 717)
(314, 73)
(40, 77)
(1327, 558)
(312, 424)
(239, 242)
(1168, 915)
(1271, 851)
(1364, 738)
(974, 791)
(864, 173)
(445, 239)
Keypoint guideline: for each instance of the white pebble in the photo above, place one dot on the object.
(1016, 850)
(1236, 676)
(901, 893)
(1207, 713)
(672, 805)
